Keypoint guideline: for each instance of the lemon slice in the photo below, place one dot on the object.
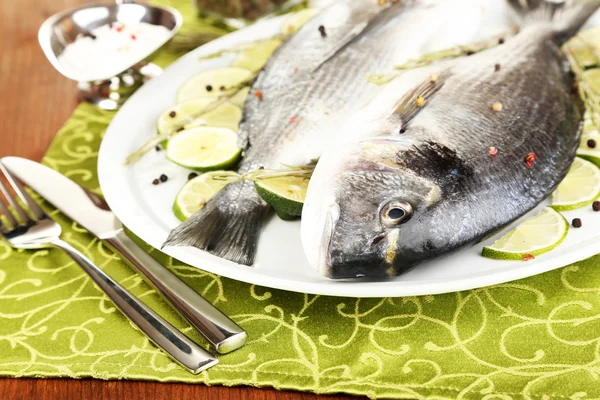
(226, 115)
(213, 83)
(296, 20)
(591, 36)
(590, 133)
(533, 237)
(256, 57)
(240, 97)
(204, 149)
(593, 76)
(285, 194)
(582, 47)
(197, 192)
(580, 187)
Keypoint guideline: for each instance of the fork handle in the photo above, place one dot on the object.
(186, 352)
(223, 334)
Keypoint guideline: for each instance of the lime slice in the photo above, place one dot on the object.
(204, 149)
(591, 36)
(580, 187)
(285, 194)
(535, 236)
(593, 76)
(256, 57)
(240, 97)
(213, 83)
(582, 47)
(590, 133)
(197, 192)
(226, 115)
(296, 20)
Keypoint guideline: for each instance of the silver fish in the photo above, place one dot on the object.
(412, 176)
(317, 75)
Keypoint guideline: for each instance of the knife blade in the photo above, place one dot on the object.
(93, 213)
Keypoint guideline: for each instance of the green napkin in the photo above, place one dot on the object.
(535, 338)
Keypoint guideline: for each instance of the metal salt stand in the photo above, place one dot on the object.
(107, 92)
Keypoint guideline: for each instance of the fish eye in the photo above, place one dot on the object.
(395, 213)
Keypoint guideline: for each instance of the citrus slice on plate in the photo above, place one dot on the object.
(213, 83)
(255, 57)
(226, 115)
(535, 236)
(239, 98)
(582, 47)
(591, 36)
(580, 187)
(197, 192)
(285, 194)
(589, 147)
(204, 149)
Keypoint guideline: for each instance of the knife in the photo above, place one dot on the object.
(92, 212)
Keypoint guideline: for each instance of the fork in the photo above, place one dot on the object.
(29, 227)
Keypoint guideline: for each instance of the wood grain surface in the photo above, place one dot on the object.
(35, 100)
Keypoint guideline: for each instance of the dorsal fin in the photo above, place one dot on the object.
(416, 99)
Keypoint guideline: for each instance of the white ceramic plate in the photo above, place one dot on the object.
(281, 264)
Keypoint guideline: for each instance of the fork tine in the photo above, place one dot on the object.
(11, 220)
(22, 193)
(22, 215)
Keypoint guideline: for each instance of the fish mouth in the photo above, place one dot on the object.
(370, 263)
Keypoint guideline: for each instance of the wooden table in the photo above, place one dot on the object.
(35, 101)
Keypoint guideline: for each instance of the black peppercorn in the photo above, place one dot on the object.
(322, 31)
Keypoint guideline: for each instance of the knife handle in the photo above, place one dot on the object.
(223, 334)
(191, 356)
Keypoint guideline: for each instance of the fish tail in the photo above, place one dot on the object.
(566, 17)
(228, 226)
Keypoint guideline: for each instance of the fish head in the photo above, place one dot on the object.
(364, 212)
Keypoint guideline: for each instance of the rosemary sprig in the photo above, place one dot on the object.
(430, 58)
(382, 79)
(303, 171)
(242, 47)
(459, 51)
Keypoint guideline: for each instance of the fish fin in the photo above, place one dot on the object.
(416, 99)
(356, 33)
(228, 226)
(566, 17)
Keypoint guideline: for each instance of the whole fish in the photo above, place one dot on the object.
(319, 74)
(449, 154)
